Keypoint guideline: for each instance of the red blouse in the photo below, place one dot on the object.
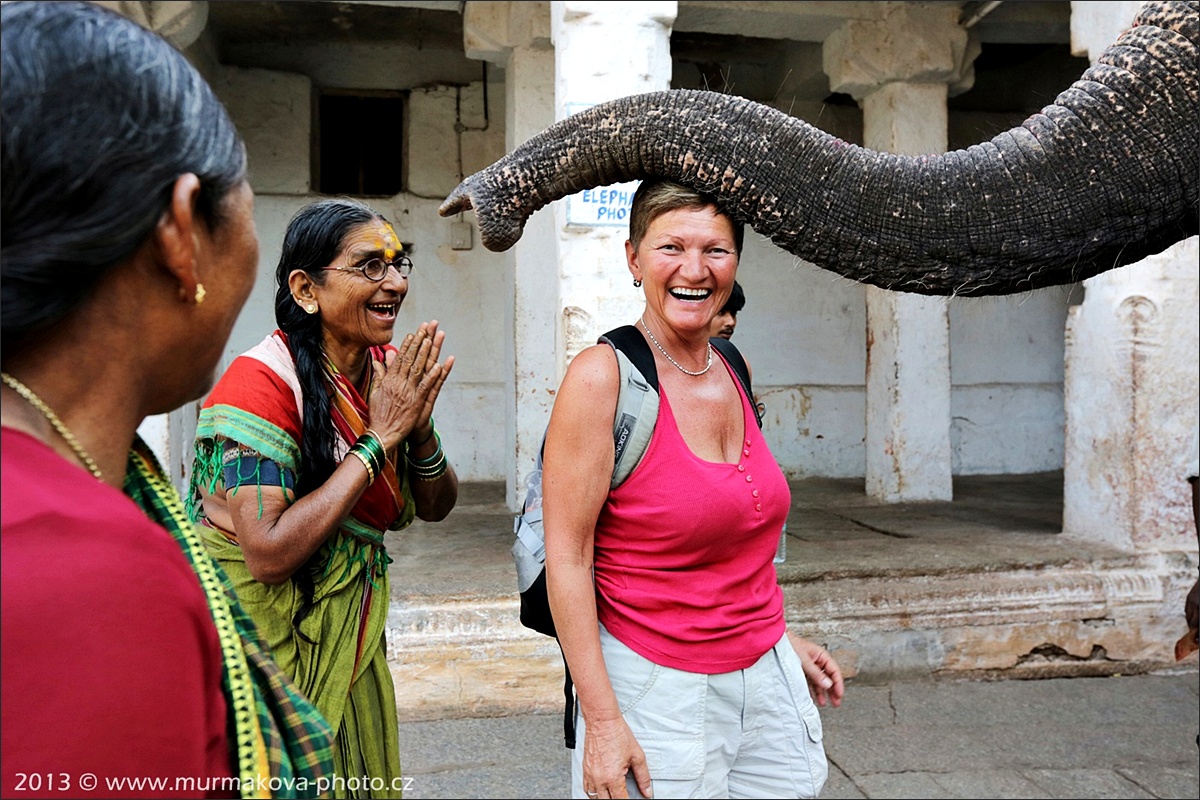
(110, 663)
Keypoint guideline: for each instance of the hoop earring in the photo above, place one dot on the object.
(200, 293)
(637, 283)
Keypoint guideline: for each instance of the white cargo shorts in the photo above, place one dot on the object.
(750, 733)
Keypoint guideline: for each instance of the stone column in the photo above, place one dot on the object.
(517, 37)
(1131, 385)
(901, 69)
(603, 50)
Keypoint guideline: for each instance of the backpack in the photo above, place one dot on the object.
(633, 425)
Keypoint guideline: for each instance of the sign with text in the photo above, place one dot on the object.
(602, 206)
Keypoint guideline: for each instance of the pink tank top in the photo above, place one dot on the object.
(683, 552)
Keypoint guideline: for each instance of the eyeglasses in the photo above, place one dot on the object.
(373, 269)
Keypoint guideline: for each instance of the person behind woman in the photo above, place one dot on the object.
(311, 445)
(663, 590)
(725, 322)
(128, 240)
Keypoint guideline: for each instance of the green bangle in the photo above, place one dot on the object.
(435, 468)
(371, 445)
(432, 478)
(442, 467)
(371, 456)
(429, 466)
(373, 442)
(431, 459)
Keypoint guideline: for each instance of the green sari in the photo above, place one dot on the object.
(337, 654)
(279, 743)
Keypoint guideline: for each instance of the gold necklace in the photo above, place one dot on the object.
(668, 355)
(53, 419)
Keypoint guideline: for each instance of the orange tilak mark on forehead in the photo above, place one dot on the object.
(390, 244)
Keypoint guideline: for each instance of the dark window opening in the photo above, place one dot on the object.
(360, 138)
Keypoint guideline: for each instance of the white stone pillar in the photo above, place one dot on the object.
(901, 69)
(603, 50)
(517, 36)
(535, 306)
(908, 335)
(1130, 378)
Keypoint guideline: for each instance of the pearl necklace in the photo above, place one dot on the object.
(673, 361)
(53, 419)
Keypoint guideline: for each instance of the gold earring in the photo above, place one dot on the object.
(200, 293)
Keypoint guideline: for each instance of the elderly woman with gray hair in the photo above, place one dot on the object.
(312, 445)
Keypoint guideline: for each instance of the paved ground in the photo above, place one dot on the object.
(1121, 737)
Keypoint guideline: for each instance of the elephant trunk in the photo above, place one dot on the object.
(1103, 177)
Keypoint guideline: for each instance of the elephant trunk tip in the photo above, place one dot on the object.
(458, 202)
(500, 224)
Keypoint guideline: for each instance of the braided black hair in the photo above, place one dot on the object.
(313, 240)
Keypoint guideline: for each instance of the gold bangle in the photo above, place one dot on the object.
(436, 467)
(366, 464)
(436, 476)
(373, 444)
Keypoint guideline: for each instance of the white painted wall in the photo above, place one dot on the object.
(597, 292)
(273, 112)
(1006, 366)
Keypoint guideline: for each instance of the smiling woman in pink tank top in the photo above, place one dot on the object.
(663, 590)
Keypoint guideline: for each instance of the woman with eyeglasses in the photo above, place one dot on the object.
(312, 444)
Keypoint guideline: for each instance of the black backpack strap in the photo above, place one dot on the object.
(569, 711)
(630, 341)
(727, 349)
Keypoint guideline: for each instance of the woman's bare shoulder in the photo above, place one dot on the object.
(590, 387)
(595, 368)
